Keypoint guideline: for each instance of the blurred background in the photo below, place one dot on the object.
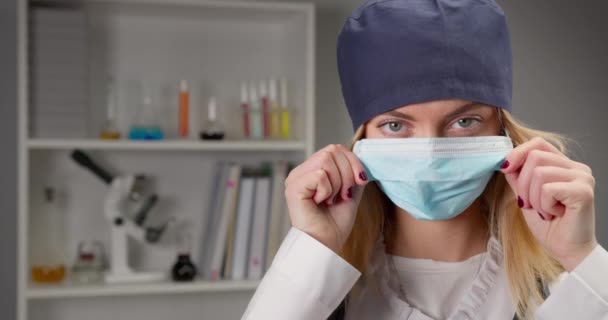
(560, 51)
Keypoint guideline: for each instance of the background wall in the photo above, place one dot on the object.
(560, 52)
(561, 60)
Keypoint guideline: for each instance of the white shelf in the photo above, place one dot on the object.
(170, 145)
(216, 45)
(81, 291)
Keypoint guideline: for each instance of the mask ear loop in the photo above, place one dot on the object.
(503, 131)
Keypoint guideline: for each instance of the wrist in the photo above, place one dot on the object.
(572, 260)
(331, 244)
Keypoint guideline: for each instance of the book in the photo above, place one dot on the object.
(225, 222)
(277, 210)
(259, 231)
(285, 221)
(212, 219)
(237, 267)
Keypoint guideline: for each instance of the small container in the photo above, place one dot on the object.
(90, 263)
(183, 270)
(275, 110)
(110, 127)
(255, 114)
(245, 107)
(265, 103)
(146, 125)
(285, 114)
(213, 129)
(184, 106)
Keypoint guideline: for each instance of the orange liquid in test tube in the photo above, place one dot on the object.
(183, 109)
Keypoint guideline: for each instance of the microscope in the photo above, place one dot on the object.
(126, 193)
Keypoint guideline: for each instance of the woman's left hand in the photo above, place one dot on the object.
(556, 197)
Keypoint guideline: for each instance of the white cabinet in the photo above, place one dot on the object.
(155, 43)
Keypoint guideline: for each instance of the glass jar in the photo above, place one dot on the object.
(90, 263)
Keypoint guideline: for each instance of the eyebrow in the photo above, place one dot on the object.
(460, 110)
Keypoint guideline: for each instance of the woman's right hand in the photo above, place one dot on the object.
(323, 194)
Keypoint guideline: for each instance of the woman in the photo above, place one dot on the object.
(445, 206)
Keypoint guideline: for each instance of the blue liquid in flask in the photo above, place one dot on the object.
(146, 133)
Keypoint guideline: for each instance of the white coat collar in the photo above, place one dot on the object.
(380, 286)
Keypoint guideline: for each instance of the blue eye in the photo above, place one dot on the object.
(393, 126)
(465, 122)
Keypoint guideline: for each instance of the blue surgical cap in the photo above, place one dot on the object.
(392, 53)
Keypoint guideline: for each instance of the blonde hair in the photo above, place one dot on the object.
(526, 261)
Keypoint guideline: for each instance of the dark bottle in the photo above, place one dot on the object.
(183, 269)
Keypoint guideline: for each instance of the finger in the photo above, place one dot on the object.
(309, 165)
(572, 195)
(552, 192)
(346, 174)
(543, 175)
(517, 157)
(322, 159)
(358, 168)
(313, 186)
(535, 159)
(533, 218)
(328, 163)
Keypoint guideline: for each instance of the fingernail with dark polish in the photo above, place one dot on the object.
(520, 202)
(349, 193)
(505, 164)
(540, 215)
(363, 176)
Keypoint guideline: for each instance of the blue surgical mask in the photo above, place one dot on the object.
(433, 178)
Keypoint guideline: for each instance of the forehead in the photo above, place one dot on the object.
(440, 108)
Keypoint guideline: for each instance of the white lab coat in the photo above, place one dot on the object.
(308, 281)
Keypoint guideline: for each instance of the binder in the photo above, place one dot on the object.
(227, 216)
(237, 267)
(277, 210)
(259, 232)
(212, 219)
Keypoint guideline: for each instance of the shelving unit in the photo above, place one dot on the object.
(171, 145)
(215, 44)
(79, 291)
